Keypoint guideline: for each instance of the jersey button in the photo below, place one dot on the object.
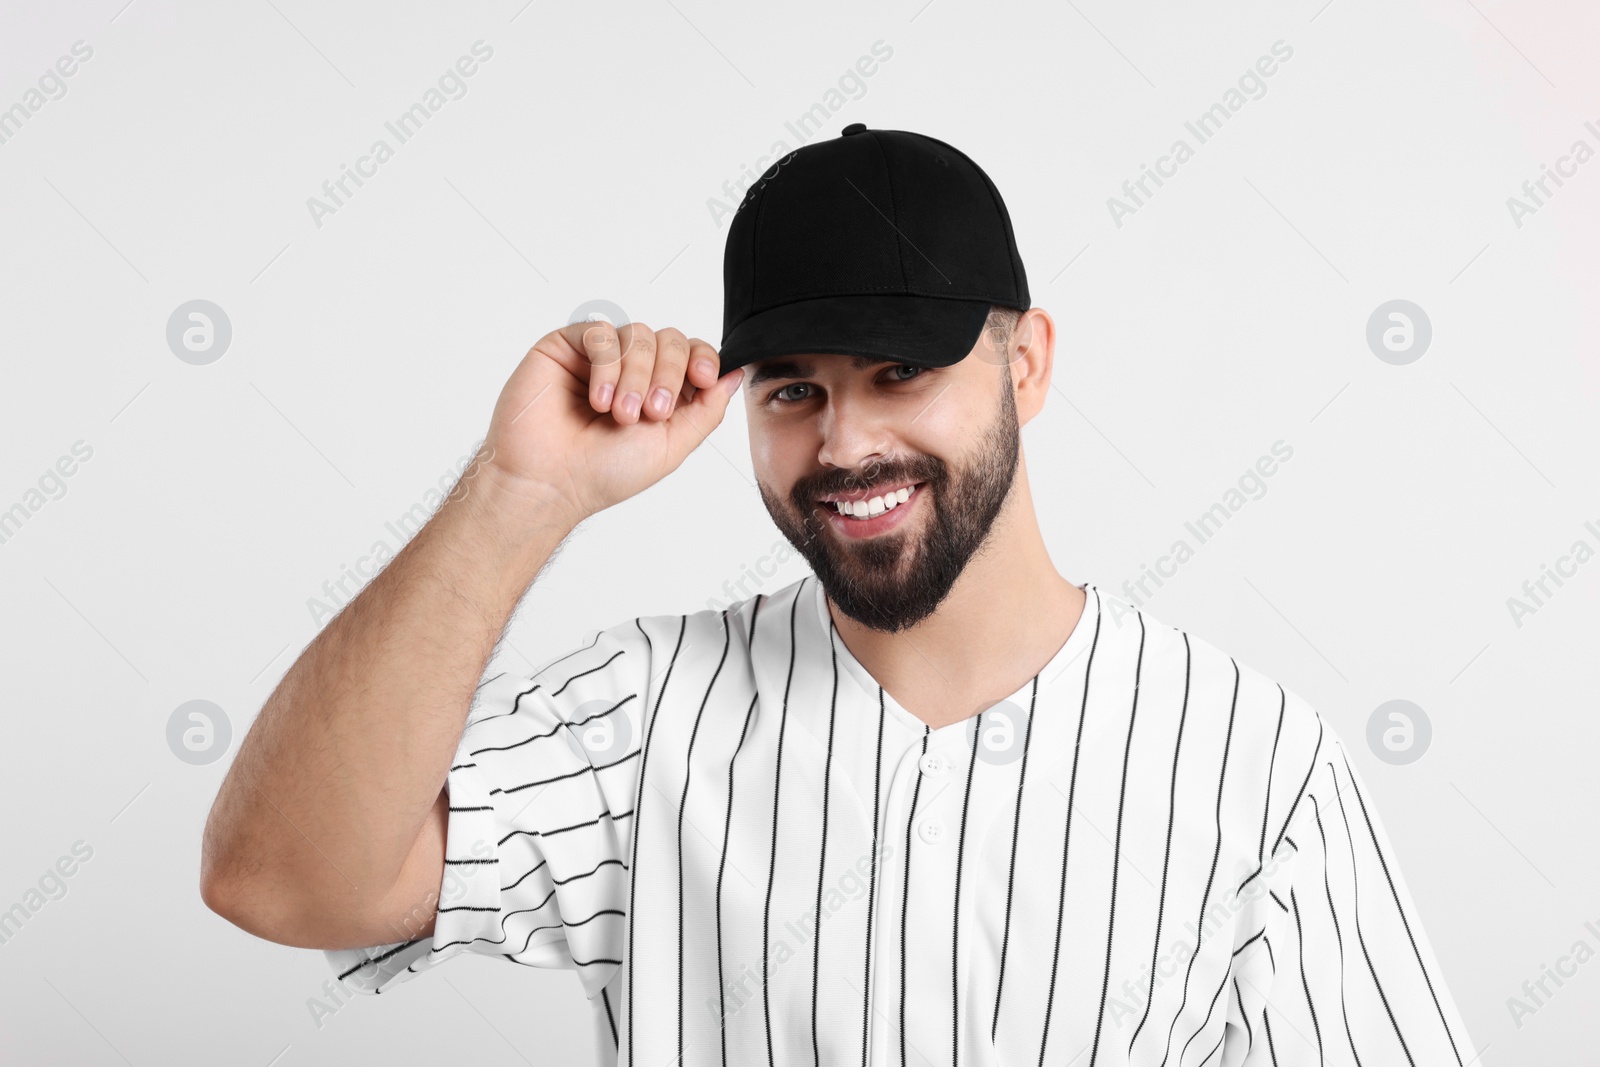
(933, 765)
(931, 831)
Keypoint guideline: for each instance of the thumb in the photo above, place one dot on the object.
(693, 422)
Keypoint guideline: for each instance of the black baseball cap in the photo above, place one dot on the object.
(879, 243)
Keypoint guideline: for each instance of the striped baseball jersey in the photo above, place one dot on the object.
(750, 853)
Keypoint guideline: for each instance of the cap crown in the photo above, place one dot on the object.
(867, 213)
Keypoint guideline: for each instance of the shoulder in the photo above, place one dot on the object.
(647, 644)
(1219, 678)
(1268, 734)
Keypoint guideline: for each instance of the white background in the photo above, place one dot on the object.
(1228, 313)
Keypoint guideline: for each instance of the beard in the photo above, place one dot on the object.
(895, 580)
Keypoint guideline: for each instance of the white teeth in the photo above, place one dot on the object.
(862, 509)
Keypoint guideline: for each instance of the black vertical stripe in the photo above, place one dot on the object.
(1266, 1025)
(683, 805)
(1166, 862)
(1011, 870)
(1315, 752)
(1210, 1010)
(1355, 881)
(777, 788)
(1200, 921)
(722, 866)
(1116, 848)
(1338, 935)
(822, 861)
(638, 807)
(1066, 843)
(1266, 803)
(872, 882)
(905, 897)
(1294, 905)
(727, 834)
(1249, 1031)
(955, 939)
(1400, 910)
(605, 998)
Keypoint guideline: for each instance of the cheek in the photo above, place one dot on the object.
(945, 430)
(774, 457)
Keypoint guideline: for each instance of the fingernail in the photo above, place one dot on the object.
(605, 393)
(660, 399)
(706, 367)
(630, 404)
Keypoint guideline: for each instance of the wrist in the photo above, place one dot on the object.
(517, 508)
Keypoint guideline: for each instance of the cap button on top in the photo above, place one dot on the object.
(854, 127)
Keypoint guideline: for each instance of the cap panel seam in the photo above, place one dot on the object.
(755, 229)
(1014, 255)
(888, 177)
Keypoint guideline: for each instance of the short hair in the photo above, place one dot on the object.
(1000, 324)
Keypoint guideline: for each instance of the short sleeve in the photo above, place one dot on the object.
(541, 791)
(1335, 968)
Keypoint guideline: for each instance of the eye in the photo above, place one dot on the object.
(777, 394)
(894, 372)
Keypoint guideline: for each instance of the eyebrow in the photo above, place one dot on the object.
(803, 367)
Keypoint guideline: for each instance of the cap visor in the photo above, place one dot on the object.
(925, 331)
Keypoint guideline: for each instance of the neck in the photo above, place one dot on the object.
(1003, 620)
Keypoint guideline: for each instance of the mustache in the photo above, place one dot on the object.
(806, 491)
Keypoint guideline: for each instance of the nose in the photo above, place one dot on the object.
(853, 438)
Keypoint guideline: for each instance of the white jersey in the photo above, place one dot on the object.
(751, 854)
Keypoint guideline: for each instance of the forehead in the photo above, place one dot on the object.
(778, 367)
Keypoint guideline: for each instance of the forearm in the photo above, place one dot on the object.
(332, 785)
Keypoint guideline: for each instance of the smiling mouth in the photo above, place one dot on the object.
(873, 506)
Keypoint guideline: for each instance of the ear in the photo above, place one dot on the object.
(1032, 361)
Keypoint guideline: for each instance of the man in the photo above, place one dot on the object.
(931, 804)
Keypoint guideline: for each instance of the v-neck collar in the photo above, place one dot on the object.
(1072, 650)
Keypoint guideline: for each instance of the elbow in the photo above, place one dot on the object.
(245, 895)
(269, 916)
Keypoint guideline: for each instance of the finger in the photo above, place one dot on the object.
(666, 377)
(598, 344)
(638, 361)
(704, 364)
(694, 421)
